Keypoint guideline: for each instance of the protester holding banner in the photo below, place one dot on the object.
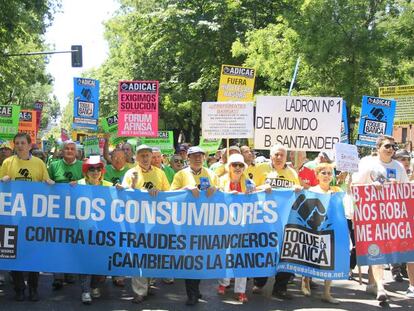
(115, 171)
(272, 176)
(377, 171)
(144, 176)
(65, 170)
(23, 166)
(195, 177)
(324, 174)
(248, 156)
(235, 181)
(157, 162)
(219, 168)
(93, 171)
(306, 175)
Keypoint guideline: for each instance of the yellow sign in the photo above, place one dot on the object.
(404, 95)
(236, 84)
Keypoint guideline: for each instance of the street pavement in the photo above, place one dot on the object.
(172, 297)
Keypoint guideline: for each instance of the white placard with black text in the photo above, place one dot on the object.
(346, 157)
(227, 120)
(299, 123)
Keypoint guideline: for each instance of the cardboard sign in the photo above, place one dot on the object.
(346, 157)
(227, 120)
(236, 84)
(9, 121)
(138, 108)
(27, 123)
(377, 118)
(298, 123)
(86, 103)
(404, 96)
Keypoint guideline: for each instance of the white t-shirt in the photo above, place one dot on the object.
(376, 170)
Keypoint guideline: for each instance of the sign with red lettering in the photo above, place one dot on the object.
(384, 223)
(27, 123)
(138, 108)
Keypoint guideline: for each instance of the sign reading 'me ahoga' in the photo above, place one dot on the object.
(138, 108)
(298, 123)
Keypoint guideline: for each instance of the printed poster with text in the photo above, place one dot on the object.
(384, 223)
(27, 123)
(38, 106)
(298, 123)
(86, 103)
(236, 84)
(9, 121)
(138, 108)
(404, 96)
(377, 118)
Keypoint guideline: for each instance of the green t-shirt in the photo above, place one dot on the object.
(61, 172)
(114, 176)
(169, 172)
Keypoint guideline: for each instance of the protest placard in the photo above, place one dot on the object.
(377, 118)
(164, 141)
(227, 120)
(38, 106)
(138, 108)
(404, 96)
(236, 84)
(210, 146)
(384, 223)
(298, 123)
(27, 123)
(344, 125)
(48, 228)
(9, 121)
(91, 146)
(346, 157)
(86, 103)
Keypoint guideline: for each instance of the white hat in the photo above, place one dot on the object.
(236, 158)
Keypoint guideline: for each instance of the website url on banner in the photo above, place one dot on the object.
(311, 271)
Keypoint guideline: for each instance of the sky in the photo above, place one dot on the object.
(80, 22)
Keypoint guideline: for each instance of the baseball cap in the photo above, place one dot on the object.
(195, 149)
(402, 153)
(144, 148)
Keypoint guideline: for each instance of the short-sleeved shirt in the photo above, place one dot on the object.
(284, 178)
(187, 178)
(113, 175)
(376, 170)
(153, 179)
(62, 172)
(33, 169)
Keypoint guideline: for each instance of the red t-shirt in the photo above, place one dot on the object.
(234, 186)
(308, 176)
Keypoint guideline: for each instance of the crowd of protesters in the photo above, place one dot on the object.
(236, 170)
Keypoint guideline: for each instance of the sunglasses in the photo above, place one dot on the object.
(235, 165)
(178, 161)
(325, 173)
(388, 146)
(94, 169)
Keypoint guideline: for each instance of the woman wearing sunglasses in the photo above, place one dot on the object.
(93, 170)
(235, 181)
(324, 174)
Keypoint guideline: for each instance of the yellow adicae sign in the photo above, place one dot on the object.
(236, 84)
(404, 95)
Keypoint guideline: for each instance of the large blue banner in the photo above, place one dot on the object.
(102, 230)
(86, 103)
(316, 241)
(377, 118)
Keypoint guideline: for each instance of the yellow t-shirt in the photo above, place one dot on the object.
(220, 170)
(186, 178)
(33, 169)
(284, 178)
(225, 183)
(153, 179)
(253, 172)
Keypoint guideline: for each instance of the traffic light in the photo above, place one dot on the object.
(76, 55)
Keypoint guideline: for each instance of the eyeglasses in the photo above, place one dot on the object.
(94, 169)
(178, 161)
(388, 146)
(326, 173)
(235, 165)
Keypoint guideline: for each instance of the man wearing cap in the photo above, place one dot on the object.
(157, 161)
(144, 176)
(24, 167)
(276, 175)
(65, 170)
(195, 177)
